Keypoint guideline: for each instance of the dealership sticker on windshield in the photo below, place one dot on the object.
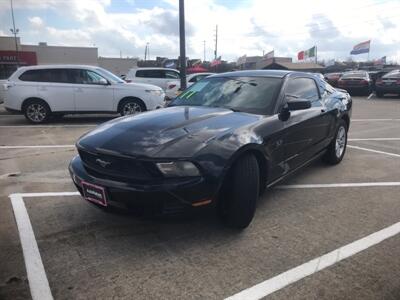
(193, 90)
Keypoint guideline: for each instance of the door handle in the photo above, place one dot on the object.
(79, 90)
(42, 88)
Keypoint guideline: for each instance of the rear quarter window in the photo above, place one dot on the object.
(32, 75)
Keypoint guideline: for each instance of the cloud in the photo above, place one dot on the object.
(36, 22)
(245, 27)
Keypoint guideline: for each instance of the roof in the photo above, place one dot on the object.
(260, 73)
(59, 67)
(295, 66)
(154, 68)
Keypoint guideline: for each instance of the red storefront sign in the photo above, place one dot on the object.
(25, 57)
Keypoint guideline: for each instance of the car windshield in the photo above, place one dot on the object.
(110, 76)
(354, 75)
(248, 94)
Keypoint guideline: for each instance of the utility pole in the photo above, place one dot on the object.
(14, 32)
(182, 45)
(204, 51)
(216, 42)
(145, 52)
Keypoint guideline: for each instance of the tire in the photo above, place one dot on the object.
(379, 94)
(36, 111)
(337, 148)
(239, 193)
(131, 107)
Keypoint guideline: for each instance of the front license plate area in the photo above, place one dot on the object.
(94, 193)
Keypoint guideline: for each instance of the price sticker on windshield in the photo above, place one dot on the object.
(194, 89)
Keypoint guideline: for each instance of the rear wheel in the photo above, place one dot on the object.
(337, 147)
(36, 111)
(238, 197)
(379, 94)
(131, 107)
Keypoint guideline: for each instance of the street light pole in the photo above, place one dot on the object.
(14, 32)
(182, 56)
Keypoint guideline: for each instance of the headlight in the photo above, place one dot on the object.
(155, 92)
(178, 169)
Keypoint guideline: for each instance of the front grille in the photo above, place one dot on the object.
(118, 168)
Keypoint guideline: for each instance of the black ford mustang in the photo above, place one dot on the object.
(222, 142)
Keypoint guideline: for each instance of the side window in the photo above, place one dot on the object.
(32, 75)
(57, 75)
(171, 75)
(94, 78)
(150, 73)
(141, 73)
(85, 77)
(303, 88)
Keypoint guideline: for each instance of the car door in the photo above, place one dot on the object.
(152, 76)
(169, 76)
(92, 92)
(52, 86)
(306, 129)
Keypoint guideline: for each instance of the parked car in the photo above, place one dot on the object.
(332, 78)
(356, 82)
(221, 142)
(2, 89)
(41, 91)
(173, 87)
(388, 84)
(157, 76)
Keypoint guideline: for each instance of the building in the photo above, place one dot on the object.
(286, 63)
(248, 62)
(43, 54)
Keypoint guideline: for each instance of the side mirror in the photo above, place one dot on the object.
(297, 104)
(103, 81)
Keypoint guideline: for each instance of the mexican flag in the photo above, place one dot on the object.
(302, 55)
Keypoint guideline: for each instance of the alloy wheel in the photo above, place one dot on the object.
(131, 108)
(36, 112)
(340, 141)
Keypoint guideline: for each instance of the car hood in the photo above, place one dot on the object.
(134, 85)
(179, 131)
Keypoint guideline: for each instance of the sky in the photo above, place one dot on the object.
(245, 27)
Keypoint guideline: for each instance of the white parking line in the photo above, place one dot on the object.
(335, 185)
(282, 280)
(374, 151)
(37, 146)
(373, 139)
(49, 126)
(373, 120)
(39, 285)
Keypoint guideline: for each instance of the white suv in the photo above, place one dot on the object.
(41, 91)
(157, 76)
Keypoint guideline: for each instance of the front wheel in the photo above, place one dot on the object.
(239, 193)
(131, 107)
(36, 111)
(337, 147)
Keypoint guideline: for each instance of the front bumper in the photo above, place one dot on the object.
(169, 197)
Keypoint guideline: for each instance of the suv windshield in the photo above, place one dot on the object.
(110, 76)
(248, 94)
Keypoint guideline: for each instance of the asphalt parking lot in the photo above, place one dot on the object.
(87, 253)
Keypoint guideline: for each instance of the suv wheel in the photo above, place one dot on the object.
(239, 193)
(337, 147)
(131, 107)
(36, 111)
